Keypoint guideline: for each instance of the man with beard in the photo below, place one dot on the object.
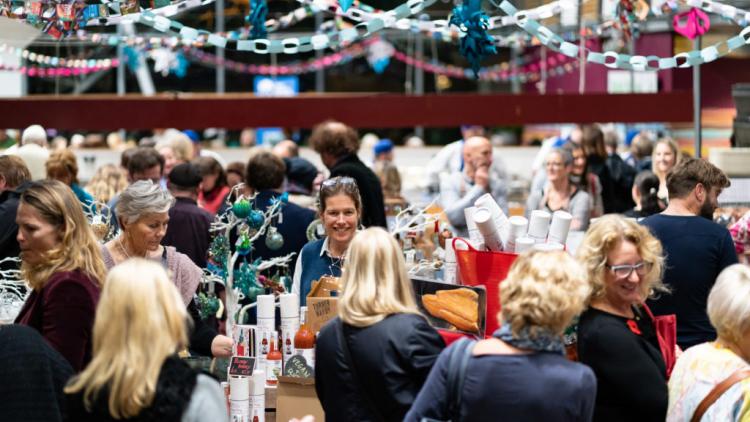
(695, 248)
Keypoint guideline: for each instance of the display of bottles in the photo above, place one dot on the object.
(273, 361)
(289, 323)
(258, 396)
(304, 340)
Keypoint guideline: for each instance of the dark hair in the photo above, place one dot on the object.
(237, 167)
(13, 170)
(334, 138)
(143, 159)
(642, 146)
(125, 157)
(592, 141)
(339, 186)
(647, 184)
(265, 171)
(209, 165)
(683, 178)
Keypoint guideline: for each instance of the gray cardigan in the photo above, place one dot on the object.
(578, 206)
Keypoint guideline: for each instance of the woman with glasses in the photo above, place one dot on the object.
(559, 193)
(340, 209)
(616, 336)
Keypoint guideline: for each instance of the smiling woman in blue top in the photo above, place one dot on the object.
(340, 209)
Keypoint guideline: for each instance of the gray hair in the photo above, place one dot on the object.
(34, 134)
(728, 307)
(565, 155)
(140, 198)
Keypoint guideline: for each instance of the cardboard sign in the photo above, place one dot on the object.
(295, 398)
(450, 306)
(321, 306)
(242, 366)
(297, 367)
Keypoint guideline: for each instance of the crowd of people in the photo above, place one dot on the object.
(99, 335)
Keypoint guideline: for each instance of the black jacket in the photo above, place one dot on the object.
(392, 359)
(174, 389)
(373, 205)
(9, 200)
(32, 376)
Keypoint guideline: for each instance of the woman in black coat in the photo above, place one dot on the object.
(372, 360)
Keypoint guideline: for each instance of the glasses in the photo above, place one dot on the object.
(624, 271)
(329, 183)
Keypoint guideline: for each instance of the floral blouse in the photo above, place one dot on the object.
(696, 373)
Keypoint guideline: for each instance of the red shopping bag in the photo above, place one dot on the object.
(488, 269)
(666, 333)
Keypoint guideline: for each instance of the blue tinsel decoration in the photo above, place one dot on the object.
(257, 19)
(477, 44)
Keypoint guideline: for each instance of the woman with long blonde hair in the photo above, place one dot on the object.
(62, 263)
(108, 181)
(135, 374)
(385, 341)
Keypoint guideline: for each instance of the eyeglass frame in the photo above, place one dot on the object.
(644, 265)
(339, 180)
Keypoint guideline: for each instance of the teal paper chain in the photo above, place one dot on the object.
(615, 60)
(291, 45)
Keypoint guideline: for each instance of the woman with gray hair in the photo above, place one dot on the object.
(559, 193)
(701, 369)
(143, 215)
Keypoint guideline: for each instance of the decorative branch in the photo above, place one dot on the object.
(413, 223)
(279, 261)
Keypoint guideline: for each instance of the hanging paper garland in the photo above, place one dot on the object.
(615, 60)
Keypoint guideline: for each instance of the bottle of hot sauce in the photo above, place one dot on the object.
(304, 340)
(273, 361)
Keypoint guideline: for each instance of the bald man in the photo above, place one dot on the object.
(286, 149)
(459, 190)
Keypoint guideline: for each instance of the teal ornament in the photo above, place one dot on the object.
(274, 239)
(284, 197)
(345, 4)
(286, 281)
(243, 245)
(257, 19)
(255, 219)
(241, 208)
(208, 305)
(477, 44)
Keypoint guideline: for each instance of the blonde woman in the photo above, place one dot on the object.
(108, 181)
(704, 366)
(665, 157)
(176, 149)
(62, 263)
(135, 374)
(616, 336)
(521, 373)
(372, 360)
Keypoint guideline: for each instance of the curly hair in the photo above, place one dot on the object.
(602, 238)
(334, 138)
(543, 292)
